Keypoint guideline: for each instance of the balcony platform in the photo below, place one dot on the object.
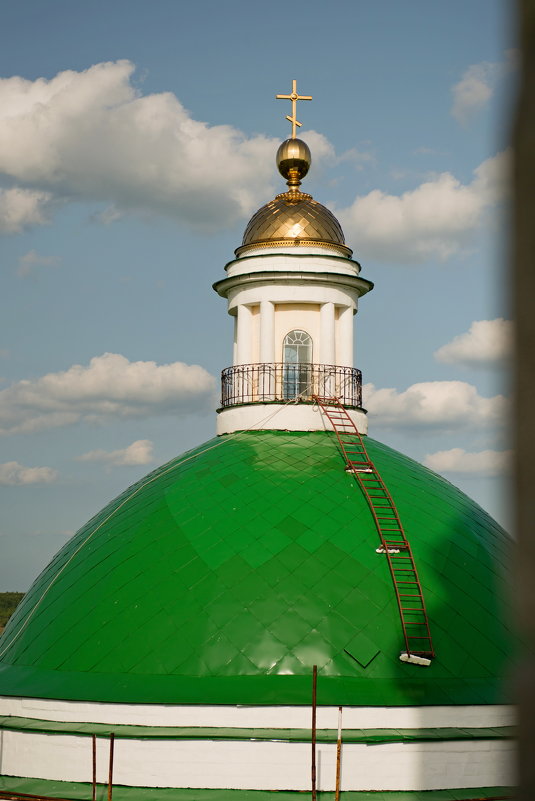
(278, 396)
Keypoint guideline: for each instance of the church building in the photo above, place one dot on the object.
(290, 607)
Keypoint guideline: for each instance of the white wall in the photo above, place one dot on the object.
(289, 316)
(297, 717)
(260, 765)
(297, 316)
(280, 417)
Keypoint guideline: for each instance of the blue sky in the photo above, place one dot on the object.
(138, 138)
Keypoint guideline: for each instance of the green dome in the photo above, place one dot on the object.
(223, 576)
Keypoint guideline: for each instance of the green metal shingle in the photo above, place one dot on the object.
(223, 576)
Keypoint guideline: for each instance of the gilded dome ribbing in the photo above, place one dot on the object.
(302, 221)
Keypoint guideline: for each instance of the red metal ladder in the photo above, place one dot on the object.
(394, 544)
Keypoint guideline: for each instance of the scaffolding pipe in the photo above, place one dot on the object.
(94, 761)
(314, 687)
(110, 772)
(338, 754)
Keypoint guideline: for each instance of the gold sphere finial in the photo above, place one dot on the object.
(293, 161)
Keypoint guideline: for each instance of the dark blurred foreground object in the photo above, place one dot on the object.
(523, 242)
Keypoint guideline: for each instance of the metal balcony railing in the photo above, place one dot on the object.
(278, 382)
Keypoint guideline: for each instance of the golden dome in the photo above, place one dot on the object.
(300, 220)
(293, 217)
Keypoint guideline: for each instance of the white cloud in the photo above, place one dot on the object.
(93, 136)
(30, 261)
(477, 86)
(473, 90)
(457, 460)
(109, 387)
(427, 151)
(13, 474)
(108, 215)
(486, 343)
(433, 404)
(22, 208)
(139, 452)
(358, 158)
(435, 220)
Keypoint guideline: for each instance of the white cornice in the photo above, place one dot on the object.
(339, 280)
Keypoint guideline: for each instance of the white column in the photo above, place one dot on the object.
(344, 350)
(267, 331)
(244, 338)
(327, 348)
(235, 340)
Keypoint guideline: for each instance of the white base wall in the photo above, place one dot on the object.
(259, 765)
(281, 417)
(261, 717)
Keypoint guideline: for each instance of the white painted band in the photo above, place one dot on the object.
(262, 717)
(280, 417)
(316, 261)
(260, 765)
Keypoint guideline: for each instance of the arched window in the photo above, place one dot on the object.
(297, 356)
(297, 348)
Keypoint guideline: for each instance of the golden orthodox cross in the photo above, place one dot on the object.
(294, 97)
